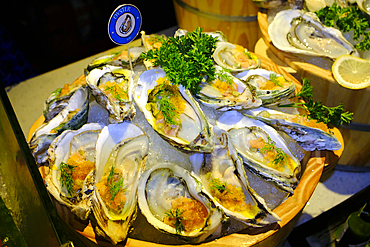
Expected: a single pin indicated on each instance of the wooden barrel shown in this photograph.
(237, 19)
(356, 135)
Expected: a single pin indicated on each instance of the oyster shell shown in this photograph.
(306, 133)
(60, 97)
(121, 151)
(168, 193)
(71, 175)
(117, 59)
(73, 116)
(151, 42)
(235, 57)
(263, 151)
(270, 87)
(364, 5)
(112, 88)
(223, 95)
(225, 181)
(302, 32)
(189, 129)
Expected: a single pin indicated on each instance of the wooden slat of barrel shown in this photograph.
(330, 93)
(237, 19)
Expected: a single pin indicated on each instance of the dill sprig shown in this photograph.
(225, 77)
(66, 177)
(217, 184)
(273, 77)
(177, 215)
(270, 146)
(114, 187)
(115, 93)
(168, 109)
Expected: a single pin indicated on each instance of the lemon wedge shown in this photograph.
(352, 72)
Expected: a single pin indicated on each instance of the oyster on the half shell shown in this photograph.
(121, 151)
(298, 31)
(173, 112)
(172, 200)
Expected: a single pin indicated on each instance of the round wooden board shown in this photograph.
(330, 93)
(268, 236)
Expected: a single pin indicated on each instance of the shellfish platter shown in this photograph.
(130, 157)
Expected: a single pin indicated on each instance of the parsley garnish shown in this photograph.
(270, 146)
(347, 19)
(114, 187)
(177, 215)
(334, 116)
(66, 177)
(186, 59)
(217, 184)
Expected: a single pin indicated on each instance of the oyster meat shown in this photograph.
(263, 151)
(269, 86)
(71, 176)
(172, 112)
(112, 88)
(309, 134)
(225, 181)
(73, 116)
(302, 32)
(227, 92)
(172, 201)
(234, 57)
(121, 151)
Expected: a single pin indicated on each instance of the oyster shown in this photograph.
(172, 201)
(225, 181)
(121, 151)
(263, 151)
(151, 42)
(112, 88)
(302, 32)
(364, 5)
(227, 92)
(270, 87)
(117, 59)
(73, 116)
(71, 175)
(60, 97)
(172, 112)
(309, 134)
(235, 57)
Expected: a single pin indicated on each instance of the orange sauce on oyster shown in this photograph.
(68, 87)
(114, 91)
(225, 88)
(82, 167)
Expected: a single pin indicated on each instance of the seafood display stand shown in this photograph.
(325, 89)
(271, 235)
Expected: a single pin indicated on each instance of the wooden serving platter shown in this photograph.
(267, 236)
(325, 89)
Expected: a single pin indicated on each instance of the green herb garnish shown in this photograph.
(186, 59)
(273, 77)
(270, 146)
(115, 93)
(347, 19)
(334, 116)
(177, 215)
(217, 184)
(225, 77)
(114, 187)
(66, 177)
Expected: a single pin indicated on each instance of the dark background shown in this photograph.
(39, 36)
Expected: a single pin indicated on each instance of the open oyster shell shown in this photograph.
(121, 151)
(298, 127)
(226, 182)
(235, 57)
(72, 158)
(60, 97)
(112, 88)
(168, 192)
(244, 131)
(270, 87)
(193, 133)
(298, 31)
(116, 59)
(151, 42)
(223, 96)
(73, 116)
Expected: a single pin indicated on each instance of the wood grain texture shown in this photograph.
(242, 33)
(330, 93)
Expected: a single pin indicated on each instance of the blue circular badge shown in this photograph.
(124, 24)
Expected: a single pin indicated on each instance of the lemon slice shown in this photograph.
(352, 72)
